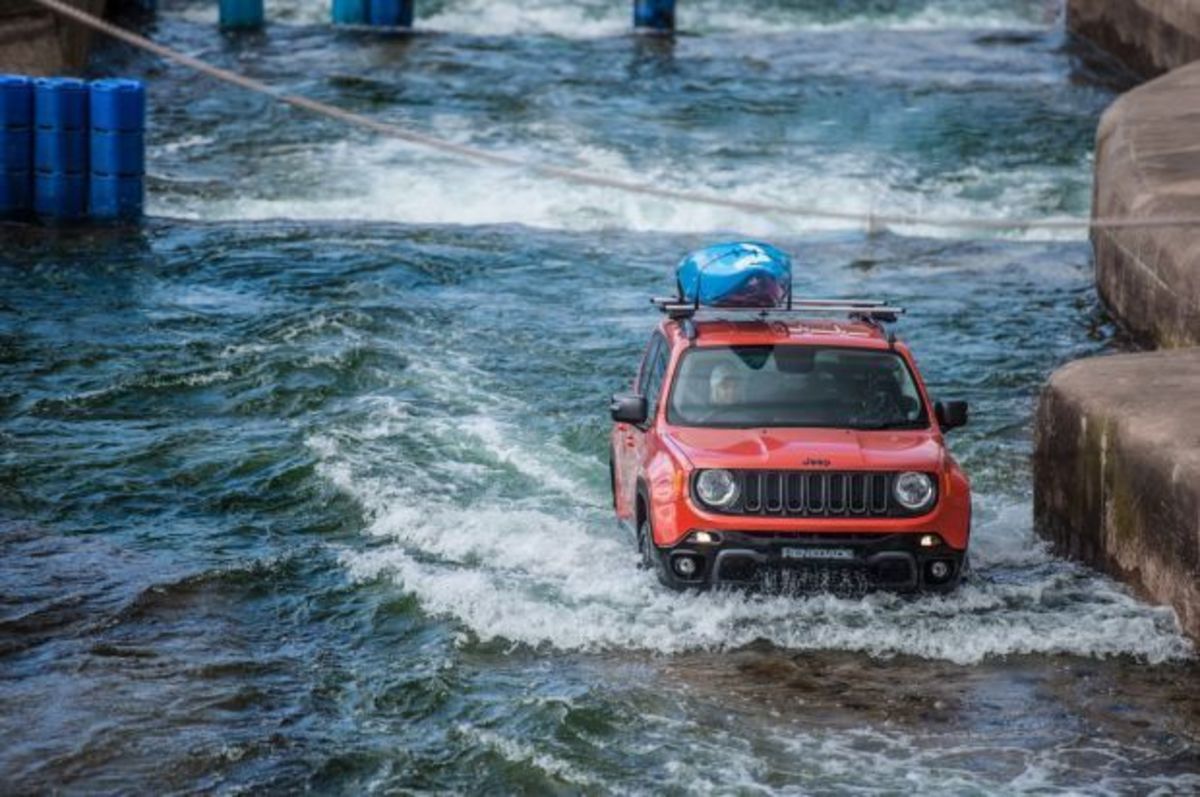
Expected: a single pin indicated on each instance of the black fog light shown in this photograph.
(939, 570)
(686, 566)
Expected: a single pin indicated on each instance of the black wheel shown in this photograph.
(612, 477)
(645, 542)
(650, 558)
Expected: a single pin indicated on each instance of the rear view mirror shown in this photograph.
(628, 408)
(951, 414)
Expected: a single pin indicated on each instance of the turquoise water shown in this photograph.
(305, 485)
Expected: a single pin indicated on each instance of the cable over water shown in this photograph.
(871, 221)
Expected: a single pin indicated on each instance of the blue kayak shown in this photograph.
(736, 274)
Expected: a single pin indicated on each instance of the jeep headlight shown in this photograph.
(914, 491)
(718, 488)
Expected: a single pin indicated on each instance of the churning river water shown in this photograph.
(305, 484)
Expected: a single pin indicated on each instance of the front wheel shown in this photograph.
(612, 477)
(651, 560)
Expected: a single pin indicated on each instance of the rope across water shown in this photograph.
(870, 221)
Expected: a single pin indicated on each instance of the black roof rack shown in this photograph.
(869, 310)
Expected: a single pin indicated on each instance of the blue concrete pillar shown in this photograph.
(390, 13)
(654, 15)
(350, 12)
(241, 14)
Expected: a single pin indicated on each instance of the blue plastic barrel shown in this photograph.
(60, 197)
(350, 12)
(121, 154)
(60, 103)
(16, 101)
(60, 151)
(657, 15)
(390, 13)
(118, 105)
(241, 14)
(116, 191)
(16, 149)
(16, 193)
(117, 198)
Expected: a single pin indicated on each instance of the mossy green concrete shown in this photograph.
(1117, 471)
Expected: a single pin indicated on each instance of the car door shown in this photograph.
(629, 439)
(651, 388)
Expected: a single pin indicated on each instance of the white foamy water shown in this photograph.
(548, 571)
(605, 18)
(390, 181)
(868, 760)
(386, 180)
(598, 18)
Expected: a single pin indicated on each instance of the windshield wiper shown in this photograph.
(878, 427)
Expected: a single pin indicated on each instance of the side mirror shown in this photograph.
(628, 408)
(951, 414)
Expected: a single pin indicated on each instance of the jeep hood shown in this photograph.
(805, 449)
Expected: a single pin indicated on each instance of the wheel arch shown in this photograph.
(641, 509)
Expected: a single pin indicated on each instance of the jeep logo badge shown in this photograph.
(819, 463)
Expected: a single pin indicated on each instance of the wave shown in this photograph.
(388, 181)
(599, 18)
(546, 571)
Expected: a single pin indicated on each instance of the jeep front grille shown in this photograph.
(815, 494)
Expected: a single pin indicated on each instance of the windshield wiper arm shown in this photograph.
(877, 427)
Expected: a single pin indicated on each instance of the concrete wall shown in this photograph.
(1148, 165)
(35, 42)
(1150, 36)
(1117, 460)
(1117, 439)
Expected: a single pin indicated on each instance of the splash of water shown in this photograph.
(544, 570)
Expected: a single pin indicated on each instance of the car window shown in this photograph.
(792, 385)
(655, 374)
(643, 380)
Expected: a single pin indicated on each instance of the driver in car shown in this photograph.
(724, 386)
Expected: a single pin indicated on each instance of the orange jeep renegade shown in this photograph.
(782, 446)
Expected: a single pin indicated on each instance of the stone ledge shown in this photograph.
(34, 42)
(1150, 36)
(1117, 471)
(1148, 164)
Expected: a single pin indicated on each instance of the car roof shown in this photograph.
(806, 331)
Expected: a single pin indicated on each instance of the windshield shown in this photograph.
(789, 385)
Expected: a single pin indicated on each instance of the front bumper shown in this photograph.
(847, 563)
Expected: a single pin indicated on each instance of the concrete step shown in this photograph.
(1117, 471)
